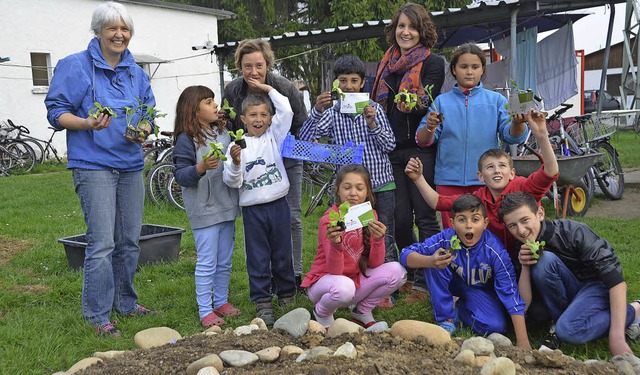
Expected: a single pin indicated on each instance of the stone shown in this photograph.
(208, 371)
(319, 351)
(295, 322)
(482, 360)
(411, 329)
(245, 330)
(499, 366)
(315, 327)
(238, 358)
(341, 325)
(346, 350)
(156, 336)
(466, 358)
(499, 340)
(552, 359)
(83, 364)
(270, 354)
(210, 360)
(478, 345)
(260, 323)
(378, 327)
(109, 354)
(213, 329)
(291, 350)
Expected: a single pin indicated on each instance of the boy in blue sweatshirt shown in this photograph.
(471, 263)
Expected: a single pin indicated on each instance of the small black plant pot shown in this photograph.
(132, 132)
(441, 117)
(341, 225)
(241, 142)
(225, 114)
(335, 95)
(403, 98)
(105, 112)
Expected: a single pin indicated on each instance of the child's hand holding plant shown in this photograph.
(236, 154)
(428, 90)
(336, 218)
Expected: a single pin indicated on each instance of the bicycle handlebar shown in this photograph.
(560, 111)
(20, 128)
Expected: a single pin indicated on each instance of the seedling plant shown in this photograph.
(454, 244)
(148, 114)
(229, 112)
(336, 218)
(428, 89)
(536, 247)
(409, 98)
(215, 151)
(238, 139)
(98, 109)
(336, 93)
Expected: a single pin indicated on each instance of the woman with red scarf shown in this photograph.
(409, 64)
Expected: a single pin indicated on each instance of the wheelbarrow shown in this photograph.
(575, 181)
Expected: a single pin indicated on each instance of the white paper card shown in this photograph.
(348, 103)
(353, 218)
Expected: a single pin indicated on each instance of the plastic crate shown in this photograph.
(157, 244)
(348, 153)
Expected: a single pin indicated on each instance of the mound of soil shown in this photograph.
(378, 353)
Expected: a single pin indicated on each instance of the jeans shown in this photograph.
(581, 310)
(294, 199)
(478, 308)
(267, 241)
(410, 206)
(385, 206)
(332, 292)
(214, 248)
(113, 206)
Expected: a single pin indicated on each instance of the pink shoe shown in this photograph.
(227, 310)
(211, 320)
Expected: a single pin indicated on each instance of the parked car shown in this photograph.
(591, 98)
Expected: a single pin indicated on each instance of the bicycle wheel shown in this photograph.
(38, 150)
(174, 193)
(22, 156)
(157, 182)
(609, 174)
(317, 199)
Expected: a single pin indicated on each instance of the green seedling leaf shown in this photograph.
(454, 243)
(228, 110)
(237, 135)
(336, 93)
(336, 218)
(98, 109)
(428, 89)
(215, 151)
(535, 247)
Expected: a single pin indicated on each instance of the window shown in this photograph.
(40, 68)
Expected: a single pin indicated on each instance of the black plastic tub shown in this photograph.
(158, 243)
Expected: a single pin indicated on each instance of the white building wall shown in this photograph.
(62, 27)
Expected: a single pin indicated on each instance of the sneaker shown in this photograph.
(140, 310)
(406, 288)
(108, 330)
(286, 301)
(365, 320)
(299, 289)
(416, 296)
(551, 340)
(264, 311)
(326, 321)
(633, 331)
(386, 303)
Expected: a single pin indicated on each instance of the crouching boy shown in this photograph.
(471, 263)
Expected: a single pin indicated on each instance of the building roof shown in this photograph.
(220, 13)
(477, 22)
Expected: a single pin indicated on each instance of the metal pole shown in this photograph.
(605, 61)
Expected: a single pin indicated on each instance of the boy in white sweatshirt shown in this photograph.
(258, 171)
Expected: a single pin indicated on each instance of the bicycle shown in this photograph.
(42, 153)
(162, 187)
(15, 156)
(158, 150)
(323, 175)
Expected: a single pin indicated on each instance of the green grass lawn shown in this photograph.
(41, 326)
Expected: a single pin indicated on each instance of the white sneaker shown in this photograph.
(633, 331)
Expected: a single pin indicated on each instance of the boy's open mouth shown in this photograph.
(468, 237)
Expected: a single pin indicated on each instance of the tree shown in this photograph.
(264, 18)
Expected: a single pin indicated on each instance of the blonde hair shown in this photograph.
(248, 46)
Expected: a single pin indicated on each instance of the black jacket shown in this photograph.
(588, 256)
(237, 90)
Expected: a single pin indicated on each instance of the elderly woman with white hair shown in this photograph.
(107, 164)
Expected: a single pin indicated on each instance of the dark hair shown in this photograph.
(468, 202)
(514, 201)
(466, 48)
(420, 20)
(186, 120)
(349, 64)
(248, 46)
(253, 100)
(494, 153)
(366, 239)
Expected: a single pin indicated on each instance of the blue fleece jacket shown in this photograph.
(473, 123)
(484, 265)
(83, 78)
